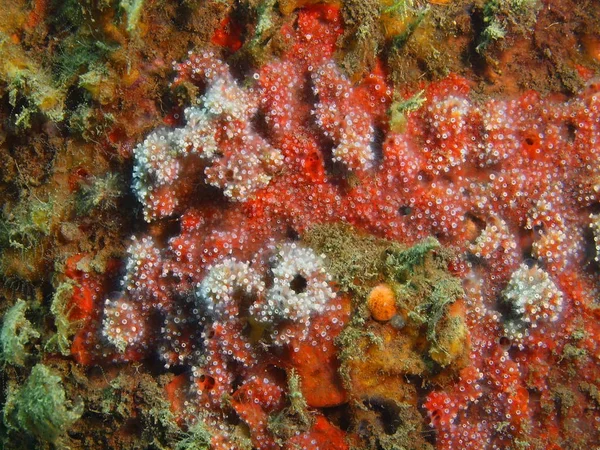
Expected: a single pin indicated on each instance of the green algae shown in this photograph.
(296, 417)
(348, 341)
(403, 438)
(415, 19)
(363, 37)
(197, 438)
(23, 227)
(425, 339)
(418, 274)
(264, 30)
(100, 192)
(572, 352)
(592, 392)
(40, 406)
(400, 109)
(298, 406)
(499, 15)
(30, 87)
(391, 425)
(65, 328)
(75, 56)
(355, 261)
(133, 9)
(401, 264)
(16, 334)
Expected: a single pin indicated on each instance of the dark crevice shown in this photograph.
(377, 145)
(299, 284)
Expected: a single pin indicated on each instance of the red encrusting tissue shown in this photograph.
(235, 295)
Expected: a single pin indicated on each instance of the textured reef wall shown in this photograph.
(300, 225)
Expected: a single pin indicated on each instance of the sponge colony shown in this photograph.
(382, 303)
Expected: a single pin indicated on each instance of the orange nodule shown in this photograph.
(382, 303)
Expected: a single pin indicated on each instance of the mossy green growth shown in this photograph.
(592, 391)
(401, 264)
(406, 434)
(16, 333)
(40, 407)
(65, 328)
(363, 36)
(400, 109)
(134, 9)
(499, 15)
(355, 261)
(264, 30)
(99, 193)
(27, 223)
(76, 55)
(294, 419)
(348, 340)
(571, 352)
(422, 283)
(30, 87)
(197, 438)
(298, 405)
(415, 19)
(418, 275)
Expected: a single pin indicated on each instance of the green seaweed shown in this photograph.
(348, 343)
(30, 87)
(298, 406)
(75, 54)
(401, 264)
(15, 335)
(40, 407)
(400, 109)
(355, 261)
(197, 438)
(65, 328)
(363, 37)
(100, 192)
(133, 8)
(418, 275)
(296, 417)
(417, 18)
(498, 15)
(22, 227)
(406, 434)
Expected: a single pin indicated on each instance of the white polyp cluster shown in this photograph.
(301, 286)
(198, 136)
(228, 109)
(341, 120)
(218, 130)
(123, 324)
(226, 282)
(143, 269)
(124, 321)
(156, 165)
(494, 236)
(448, 119)
(240, 174)
(225, 98)
(533, 299)
(499, 131)
(595, 225)
(283, 81)
(557, 240)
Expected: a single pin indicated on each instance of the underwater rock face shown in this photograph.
(324, 259)
(258, 163)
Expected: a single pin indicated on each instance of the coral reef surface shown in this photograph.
(300, 225)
